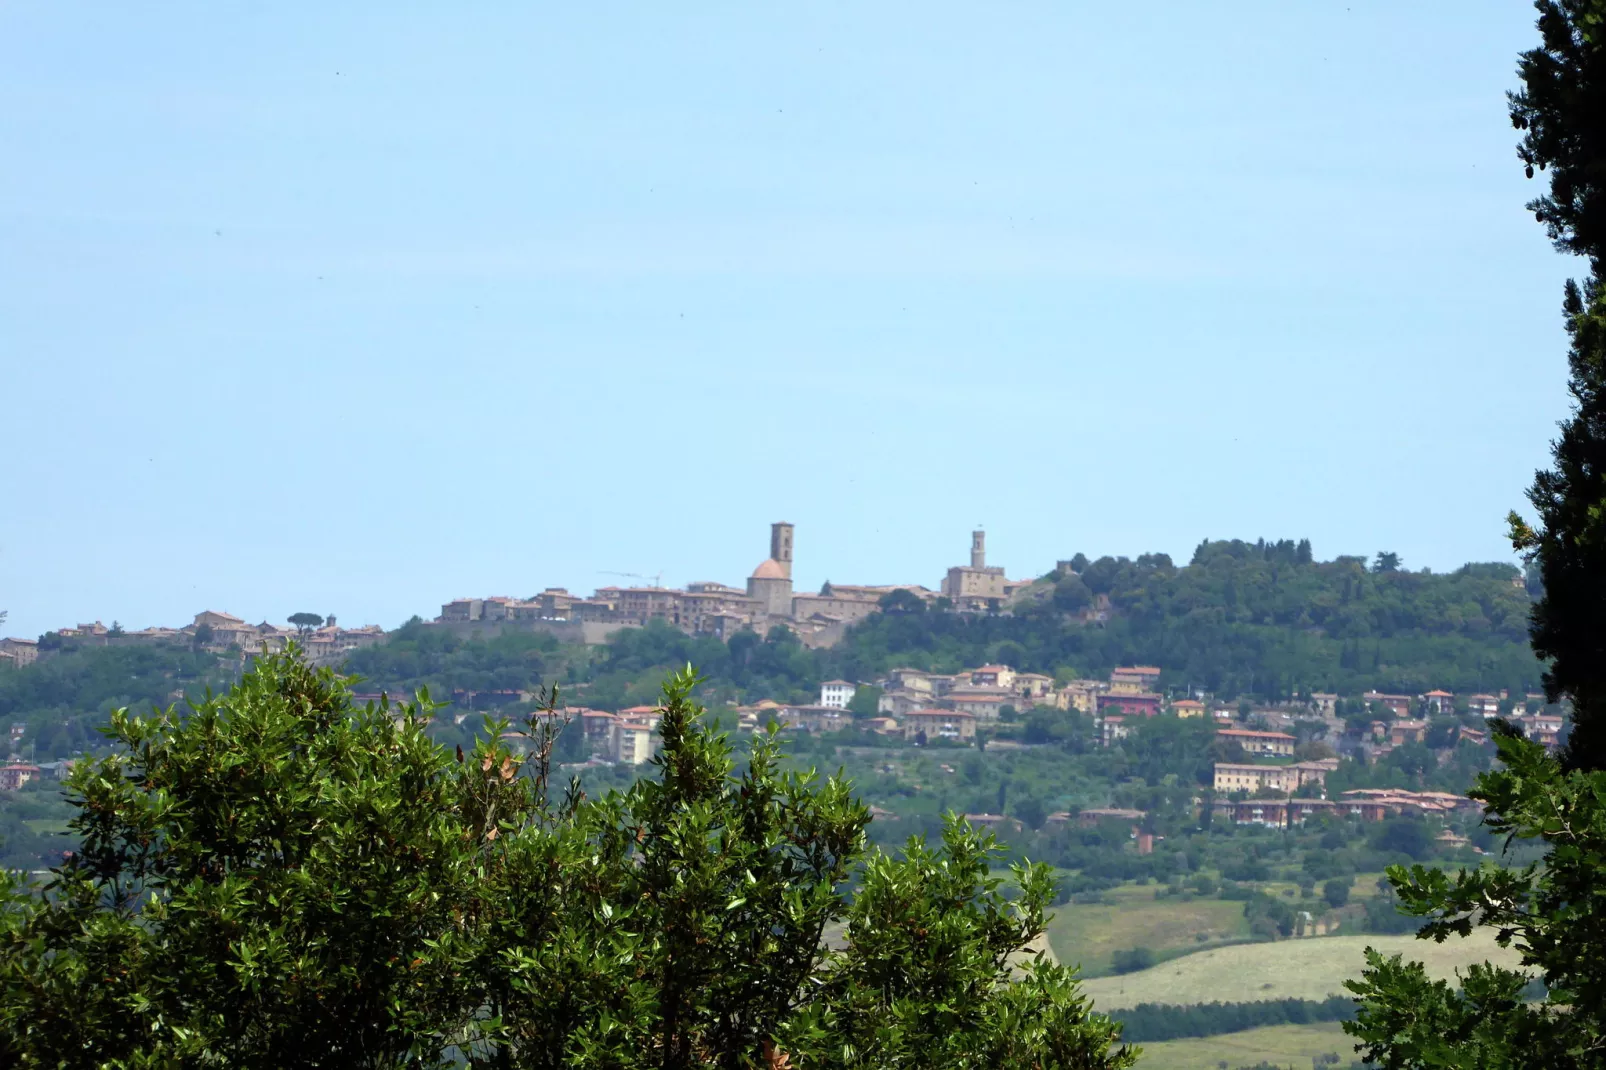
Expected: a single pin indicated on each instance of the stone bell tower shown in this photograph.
(781, 546)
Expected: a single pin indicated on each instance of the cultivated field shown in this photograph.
(1313, 968)
(1089, 934)
(1280, 1045)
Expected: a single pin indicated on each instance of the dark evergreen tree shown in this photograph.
(1548, 910)
(1561, 109)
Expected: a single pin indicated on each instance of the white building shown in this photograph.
(837, 693)
(633, 742)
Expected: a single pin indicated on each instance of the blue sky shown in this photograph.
(358, 310)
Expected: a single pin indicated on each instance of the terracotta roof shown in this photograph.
(769, 569)
(1251, 732)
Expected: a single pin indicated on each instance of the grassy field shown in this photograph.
(46, 825)
(1090, 933)
(1280, 1045)
(1313, 968)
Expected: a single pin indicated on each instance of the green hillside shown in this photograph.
(1240, 618)
(1313, 968)
(1089, 935)
(1276, 1045)
(61, 700)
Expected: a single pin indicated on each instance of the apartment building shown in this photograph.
(1274, 744)
(837, 693)
(956, 725)
(1233, 777)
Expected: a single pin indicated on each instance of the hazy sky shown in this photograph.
(356, 311)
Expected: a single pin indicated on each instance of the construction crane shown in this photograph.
(657, 581)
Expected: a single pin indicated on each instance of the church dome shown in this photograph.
(769, 569)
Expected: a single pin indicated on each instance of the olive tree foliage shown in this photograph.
(1550, 912)
(278, 879)
(281, 878)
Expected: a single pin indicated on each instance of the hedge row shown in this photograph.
(1149, 1022)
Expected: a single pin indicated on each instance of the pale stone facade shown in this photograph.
(1231, 777)
(978, 585)
(837, 693)
(953, 725)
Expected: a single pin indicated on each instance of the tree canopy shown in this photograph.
(1549, 910)
(305, 622)
(285, 879)
(1561, 109)
(1241, 617)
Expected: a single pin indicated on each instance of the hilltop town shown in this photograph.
(1276, 744)
(705, 608)
(720, 610)
(210, 631)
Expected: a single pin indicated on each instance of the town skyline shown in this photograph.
(18, 626)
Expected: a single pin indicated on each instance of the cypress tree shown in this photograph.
(1561, 110)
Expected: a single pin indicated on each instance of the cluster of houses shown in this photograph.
(1411, 716)
(212, 631)
(1261, 789)
(921, 707)
(16, 773)
(1368, 804)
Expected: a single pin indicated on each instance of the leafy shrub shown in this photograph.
(1150, 1022)
(282, 879)
(1132, 959)
(1250, 869)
